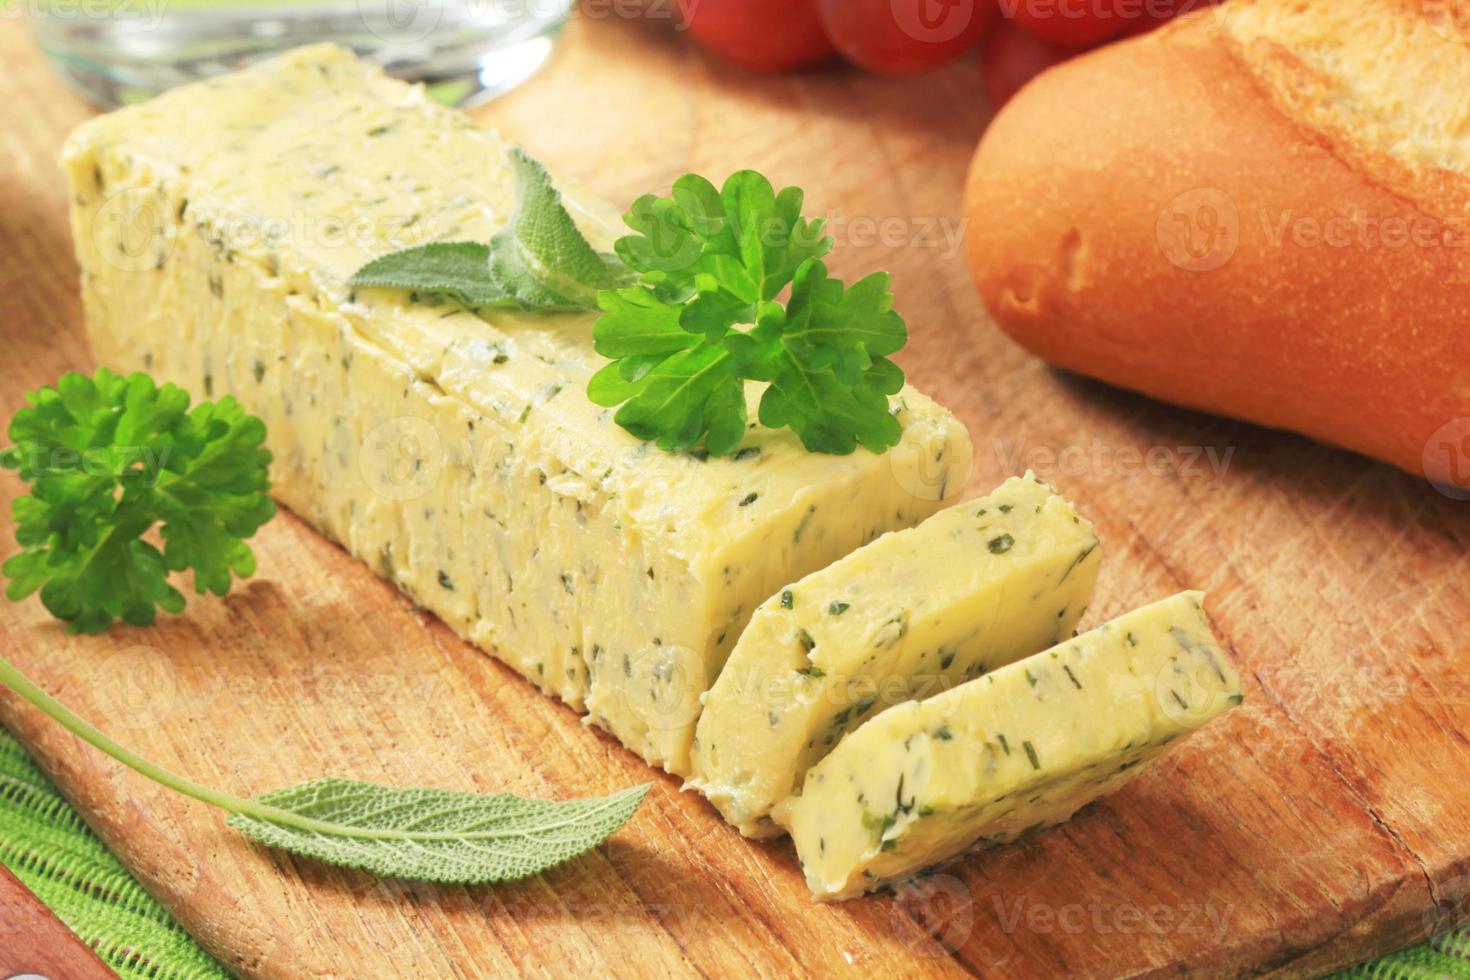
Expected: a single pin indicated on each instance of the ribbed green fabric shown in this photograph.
(1448, 957)
(58, 858)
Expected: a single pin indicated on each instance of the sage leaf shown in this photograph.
(421, 834)
(435, 834)
(540, 262)
(541, 259)
(457, 269)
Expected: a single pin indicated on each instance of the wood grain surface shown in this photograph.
(34, 942)
(1327, 819)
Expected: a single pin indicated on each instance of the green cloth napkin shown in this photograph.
(56, 856)
(50, 849)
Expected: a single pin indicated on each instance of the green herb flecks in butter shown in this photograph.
(1084, 721)
(910, 615)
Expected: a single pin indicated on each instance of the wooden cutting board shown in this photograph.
(1320, 823)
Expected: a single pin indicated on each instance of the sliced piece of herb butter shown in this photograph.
(1020, 748)
(973, 588)
(454, 450)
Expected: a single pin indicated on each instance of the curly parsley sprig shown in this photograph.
(110, 457)
(692, 310)
(705, 318)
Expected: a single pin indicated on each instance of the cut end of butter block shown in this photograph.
(1019, 749)
(972, 588)
(455, 451)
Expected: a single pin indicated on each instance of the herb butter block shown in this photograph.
(1021, 748)
(455, 453)
(971, 589)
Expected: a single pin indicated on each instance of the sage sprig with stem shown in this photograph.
(422, 834)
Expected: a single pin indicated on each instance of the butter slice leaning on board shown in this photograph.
(1020, 748)
(454, 452)
(973, 588)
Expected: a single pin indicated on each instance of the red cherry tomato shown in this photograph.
(1010, 58)
(1073, 23)
(903, 37)
(759, 35)
(1156, 13)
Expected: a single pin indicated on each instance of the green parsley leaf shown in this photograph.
(109, 458)
(691, 310)
(540, 261)
(710, 262)
(829, 380)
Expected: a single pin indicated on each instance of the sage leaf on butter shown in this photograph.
(541, 259)
(458, 269)
(435, 834)
(421, 834)
(539, 262)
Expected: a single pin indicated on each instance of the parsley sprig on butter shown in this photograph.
(716, 287)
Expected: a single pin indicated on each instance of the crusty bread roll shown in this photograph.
(1260, 210)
